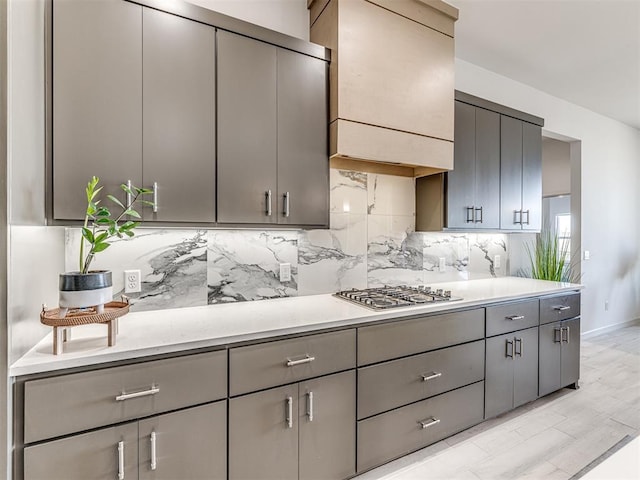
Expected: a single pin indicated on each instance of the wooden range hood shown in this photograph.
(391, 83)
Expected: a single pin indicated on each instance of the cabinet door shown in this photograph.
(460, 180)
(188, 444)
(97, 100)
(549, 377)
(327, 419)
(100, 455)
(303, 159)
(525, 374)
(487, 169)
(179, 117)
(570, 354)
(531, 176)
(499, 375)
(510, 173)
(263, 434)
(247, 130)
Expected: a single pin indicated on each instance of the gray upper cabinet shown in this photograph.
(97, 100)
(303, 161)
(247, 130)
(178, 104)
(473, 198)
(520, 175)
(273, 164)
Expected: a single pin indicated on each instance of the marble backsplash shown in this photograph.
(371, 242)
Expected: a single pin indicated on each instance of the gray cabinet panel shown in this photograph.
(261, 443)
(399, 382)
(510, 317)
(549, 375)
(97, 100)
(532, 176)
(303, 159)
(89, 456)
(525, 373)
(510, 173)
(487, 169)
(499, 375)
(327, 437)
(180, 381)
(179, 117)
(559, 307)
(391, 340)
(570, 354)
(460, 180)
(266, 365)
(247, 130)
(189, 444)
(396, 433)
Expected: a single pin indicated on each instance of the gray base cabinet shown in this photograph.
(305, 430)
(559, 355)
(512, 371)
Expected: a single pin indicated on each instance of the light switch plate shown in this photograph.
(587, 254)
(442, 264)
(132, 283)
(496, 261)
(285, 272)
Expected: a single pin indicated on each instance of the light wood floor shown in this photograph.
(552, 438)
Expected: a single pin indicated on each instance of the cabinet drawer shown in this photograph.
(511, 317)
(285, 361)
(80, 401)
(396, 433)
(392, 340)
(559, 307)
(399, 382)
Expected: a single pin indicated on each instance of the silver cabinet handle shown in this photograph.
(155, 197)
(515, 216)
(562, 308)
(154, 463)
(515, 317)
(307, 359)
(521, 342)
(472, 219)
(121, 460)
(289, 418)
(507, 354)
(567, 340)
(527, 222)
(268, 200)
(426, 378)
(286, 204)
(144, 393)
(474, 215)
(555, 335)
(429, 422)
(310, 406)
(128, 194)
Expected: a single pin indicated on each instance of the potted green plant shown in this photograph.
(86, 288)
(548, 258)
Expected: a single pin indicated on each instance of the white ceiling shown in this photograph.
(584, 51)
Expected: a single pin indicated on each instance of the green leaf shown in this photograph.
(86, 233)
(145, 191)
(129, 225)
(127, 189)
(132, 213)
(116, 201)
(100, 238)
(103, 221)
(103, 212)
(113, 229)
(99, 247)
(129, 233)
(147, 202)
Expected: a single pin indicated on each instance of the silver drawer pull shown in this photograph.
(515, 317)
(289, 418)
(429, 422)
(506, 353)
(310, 406)
(144, 393)
(307, 359)
(120, 460)
(555, 335)
(433, 375)
(154, 463)
(562, 308)
(521, 342)
(268, 201)
(155, 197)
(287, 202)
(567, 340)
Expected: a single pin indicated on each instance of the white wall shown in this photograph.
(610, 166)
(556, 167)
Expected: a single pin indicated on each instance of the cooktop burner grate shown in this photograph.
(392, 297)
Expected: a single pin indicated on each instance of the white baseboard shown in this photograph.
(609, 328)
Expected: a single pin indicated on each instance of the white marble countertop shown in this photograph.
(156, 332)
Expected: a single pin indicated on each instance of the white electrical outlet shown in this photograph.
(132, 283)
(496, 261)
(587, 254)
(606, 305)
(285, 272)
(442, 264)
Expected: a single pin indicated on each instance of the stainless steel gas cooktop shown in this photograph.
(393, 297)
